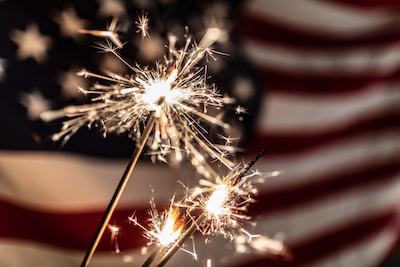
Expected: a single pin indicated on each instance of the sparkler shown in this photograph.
(175, 90)
(165, 228)
(221, 208)
(167, 99)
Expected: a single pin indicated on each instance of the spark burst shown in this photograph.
(223, 204)
(175, 91)
(225, 201)
(165, 227)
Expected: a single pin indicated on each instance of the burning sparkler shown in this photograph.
(223, 204)
(175, 91)
(165, 228)
(167, 99)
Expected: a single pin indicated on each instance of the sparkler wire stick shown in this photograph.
(153, 256)
(189, 232)
(120, 188)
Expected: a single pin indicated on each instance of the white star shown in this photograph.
(70, 83)
(31, 43)
(3, 64)
(69, 22)
(35, 103)
(110, 8)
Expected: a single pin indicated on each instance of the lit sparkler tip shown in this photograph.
(217, 199)
(171, 230)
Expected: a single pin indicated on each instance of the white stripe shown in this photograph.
(15, 253)
(62, 182)
(338, 158)
(324, 17)
(331, 213)
(297, 114)
(370, 253)
(360, 60)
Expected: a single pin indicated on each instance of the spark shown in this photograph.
(142, 24)
(226, 205)
(264, 245)
(225, 201)
(114, 237)
(223, 204)
(175, 89)
(109, 33)
(164, 227)
(216, 200)
(239, 110)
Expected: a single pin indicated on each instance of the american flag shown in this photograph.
(318, 80)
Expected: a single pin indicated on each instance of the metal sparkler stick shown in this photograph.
(120, 188)
(153, 256)
(194, 226)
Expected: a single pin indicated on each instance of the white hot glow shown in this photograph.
(170, 232)
(217, 199)
(160, 89)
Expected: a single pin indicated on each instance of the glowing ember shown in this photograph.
(217, 199)
(164, 227)
(170, 232)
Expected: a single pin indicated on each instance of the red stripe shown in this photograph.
(289, 144)
(252, 26)
(328, 245)
(313, 83)
(369, 4)
(71, 231)
(323, 188)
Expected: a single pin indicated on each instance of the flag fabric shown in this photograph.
(318, 81)
(329, 119)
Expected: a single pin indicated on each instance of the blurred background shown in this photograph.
(315, 83)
